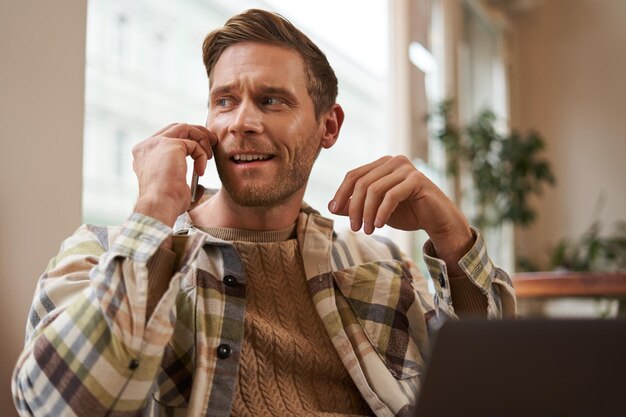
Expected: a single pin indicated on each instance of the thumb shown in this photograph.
(334, 208)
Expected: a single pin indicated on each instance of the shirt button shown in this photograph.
(442, 281)
(223, 351)
(230, 280)
(133, 364)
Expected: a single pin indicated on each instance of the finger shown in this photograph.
(209, 142)
(360, 191)
(392, 199)
(376, 193)
(160, 131)
(209, 135)
(340, 202)
(197, 133)
(208, 139)
(187, 131)
(341, 211)
(197, 153)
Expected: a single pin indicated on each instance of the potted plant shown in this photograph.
(505, 168)
(592, 251)
(592, 267)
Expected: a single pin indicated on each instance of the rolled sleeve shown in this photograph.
(481, 272)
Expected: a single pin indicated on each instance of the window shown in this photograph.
(121, 158)
(121, 41)
(467, 42)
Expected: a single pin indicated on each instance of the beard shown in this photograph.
(291, 178)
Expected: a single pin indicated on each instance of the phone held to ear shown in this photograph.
(194, 187)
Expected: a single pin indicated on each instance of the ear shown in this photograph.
(332, 121)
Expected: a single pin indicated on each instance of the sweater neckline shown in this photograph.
(253, 236)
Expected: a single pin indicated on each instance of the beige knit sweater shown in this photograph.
(288, 364)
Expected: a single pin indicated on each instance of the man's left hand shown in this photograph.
(392, 191)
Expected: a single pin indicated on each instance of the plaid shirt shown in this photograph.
(90, 351)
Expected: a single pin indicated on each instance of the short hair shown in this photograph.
(256, 25)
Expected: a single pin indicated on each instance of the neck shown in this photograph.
(221, 211)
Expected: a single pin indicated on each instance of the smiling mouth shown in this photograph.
(247, 158)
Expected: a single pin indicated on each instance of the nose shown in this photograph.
(247, 119)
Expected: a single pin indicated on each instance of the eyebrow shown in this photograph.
(279, 91)
(217, 91)
(225, 89)
(220, 90)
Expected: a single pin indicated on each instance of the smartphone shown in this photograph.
(194, 186)
(195, 177)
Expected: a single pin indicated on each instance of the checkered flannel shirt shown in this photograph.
(90, 351)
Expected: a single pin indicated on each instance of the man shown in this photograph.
(252, 304)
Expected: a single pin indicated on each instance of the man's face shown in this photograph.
(264, 118)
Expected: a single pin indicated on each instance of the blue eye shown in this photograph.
(269, 101)
(224, 102)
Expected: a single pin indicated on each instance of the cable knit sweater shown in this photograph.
(289, 365)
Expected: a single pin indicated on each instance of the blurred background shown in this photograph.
(523, 95)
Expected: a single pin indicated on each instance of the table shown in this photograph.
(539, 287)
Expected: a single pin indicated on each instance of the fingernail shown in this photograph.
(355, 225)
(332, 206)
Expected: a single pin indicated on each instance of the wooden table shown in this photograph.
(536, 286)
(569, 284)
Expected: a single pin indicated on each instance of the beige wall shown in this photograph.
(570, 84)
(42, 55)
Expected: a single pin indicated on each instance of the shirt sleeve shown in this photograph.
(492, 281)
(89, 349)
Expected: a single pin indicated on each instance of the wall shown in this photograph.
(569, 80)
(42, 48)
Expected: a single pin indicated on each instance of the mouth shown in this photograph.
(250, 158)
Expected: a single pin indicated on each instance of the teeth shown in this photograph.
(247, 157)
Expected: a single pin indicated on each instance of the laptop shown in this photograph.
(526, 368)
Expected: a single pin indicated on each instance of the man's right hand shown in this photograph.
(161, 168)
